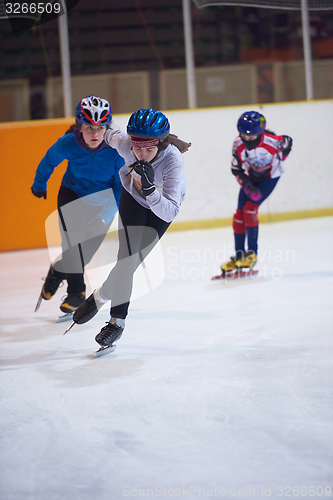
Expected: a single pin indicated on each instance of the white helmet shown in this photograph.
(93, 110)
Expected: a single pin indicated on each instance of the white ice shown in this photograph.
(215, 389)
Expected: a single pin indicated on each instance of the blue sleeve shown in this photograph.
(54, 156)
(111, 208)
(117, 182)
(109, 211)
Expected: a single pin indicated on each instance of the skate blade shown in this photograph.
(39, 301)
(71, 326)
(104, 350)
(64, 317)
(235, 275)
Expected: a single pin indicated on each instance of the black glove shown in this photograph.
(286, 145)
(38, 194)
(146, 172)
(97, 226)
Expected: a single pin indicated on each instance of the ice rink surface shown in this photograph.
(216, 389)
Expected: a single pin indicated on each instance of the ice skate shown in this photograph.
(229, 266)
(52, 282)
(64, 317)
(247, 261)
(104, 350)
(72, 302)
(111, 332)
(88, 309)
(108, 335)
(238, 268)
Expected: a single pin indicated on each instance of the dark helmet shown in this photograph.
(93, 110)
(251, 123)
(148, 123)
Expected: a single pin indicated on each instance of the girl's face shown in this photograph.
(93, 135)
(248, 137)
(147, 154)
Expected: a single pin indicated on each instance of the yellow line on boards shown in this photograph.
(263, 218)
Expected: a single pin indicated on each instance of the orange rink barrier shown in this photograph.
(22, 146)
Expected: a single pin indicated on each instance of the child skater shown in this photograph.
(154, 187)
(257, 164)
(88, 197)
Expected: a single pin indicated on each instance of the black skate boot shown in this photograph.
(111, 332)
(72, 302)
(52, 282)
(89, 308)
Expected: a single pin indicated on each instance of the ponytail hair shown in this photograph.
(71, 128)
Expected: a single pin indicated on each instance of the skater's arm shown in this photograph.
(238, 171)
(53, 158)
(120, 141)
(165, 201)
(251, 191)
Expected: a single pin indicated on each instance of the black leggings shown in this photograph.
(79, 244)
(139, 231)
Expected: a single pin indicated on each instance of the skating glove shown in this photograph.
(252, 192)
(146, 172)
(97, 226)
(39, 194)
(286, 146)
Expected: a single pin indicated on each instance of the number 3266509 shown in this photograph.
(303, 491)
(24, 8)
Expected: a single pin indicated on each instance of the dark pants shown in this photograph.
(266, 187)
(79, 243)
(252, 233)
(139, 231)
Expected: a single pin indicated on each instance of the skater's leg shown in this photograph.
(139, 231)
(266, 187)
(74, 215)
(58, 269)
(52, 282)
(142, 243)
(72, 221)
(80, 237)
(135, 242)
(94, 237)
(130, 213)
(252, 226)
(239, 227)
(251, 214)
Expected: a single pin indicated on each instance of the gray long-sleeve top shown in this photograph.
(169, 178)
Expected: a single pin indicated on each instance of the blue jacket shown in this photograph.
(88, 172)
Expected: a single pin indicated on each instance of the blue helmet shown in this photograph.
(251, 123)
(148, 123)
(93, 110)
